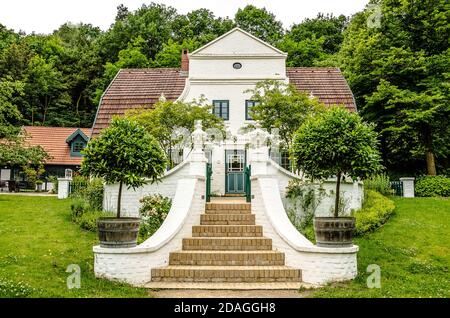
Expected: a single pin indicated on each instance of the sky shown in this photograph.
(44, 16)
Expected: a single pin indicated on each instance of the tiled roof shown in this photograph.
(326, 83)
(134, 88)
(53, 140)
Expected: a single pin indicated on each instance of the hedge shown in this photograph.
(433, 186)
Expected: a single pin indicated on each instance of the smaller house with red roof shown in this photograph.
(63, 144)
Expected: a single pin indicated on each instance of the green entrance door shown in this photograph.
(234, 171)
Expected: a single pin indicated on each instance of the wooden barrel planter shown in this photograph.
(118, 232)
(334, 232)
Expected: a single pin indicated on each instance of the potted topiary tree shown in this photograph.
(336, 142)
(124, 153)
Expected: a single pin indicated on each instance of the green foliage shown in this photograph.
(10, 289)
(432, 186)
(88, 220)
(399, 74)
(305, 197)
(37, 269)
(377, 209)
(260, 23)
(336, 142)
(124, 153)
(379, 183)
(282, 107)
(167, 116)
(54, 181)
(325, 26)
(153, 212)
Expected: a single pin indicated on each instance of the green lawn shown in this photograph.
(38, 242)
(412, 250)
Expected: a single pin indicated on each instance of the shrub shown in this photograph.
(305, 197)
(88, 220)
(78, 186)
(379, 183)
(94, 193)
(54, 180)
(433, 186)
(78, 207)
(153, 212)
(375, 212)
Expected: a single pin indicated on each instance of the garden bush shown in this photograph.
(153, 212)
(88, 220)
(379, 183)
(375, 212)
(78, 207)
(432, 186)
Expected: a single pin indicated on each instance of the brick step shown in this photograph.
(226, 230)
(228, 206)
(227, 219)
(227, 243)
(227, 258)
(219, 211)
(229, 286)
(231, 274)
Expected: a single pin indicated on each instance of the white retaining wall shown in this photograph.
(351, 192)
(134, 265)
(319, 265)
(130, 198)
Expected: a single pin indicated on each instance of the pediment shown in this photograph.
(237, 42)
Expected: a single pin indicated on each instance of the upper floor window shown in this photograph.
(248, 105)
(221, 108)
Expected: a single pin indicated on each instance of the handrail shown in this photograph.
(208, 181)
(248, 183)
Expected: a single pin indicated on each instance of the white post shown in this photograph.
(63, 188)
(408, 187)
(197, 160)
(259, 152)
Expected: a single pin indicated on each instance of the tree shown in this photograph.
(260, 23)
(168, 117)
(336, 142)
(283, 107)
(399, 72)
(124, 153)
(325, 26)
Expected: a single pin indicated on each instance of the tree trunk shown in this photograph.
(431, 165)
(119, 199)
(338, 190)
(429, 152)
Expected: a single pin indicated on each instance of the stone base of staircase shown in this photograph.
(229, 286)
(226, 251)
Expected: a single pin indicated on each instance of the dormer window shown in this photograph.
(78, 146)
(77, 142)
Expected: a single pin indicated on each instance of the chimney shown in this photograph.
(185, 60)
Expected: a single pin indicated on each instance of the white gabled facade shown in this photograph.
(213, 76)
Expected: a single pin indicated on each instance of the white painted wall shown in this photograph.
(130, 198)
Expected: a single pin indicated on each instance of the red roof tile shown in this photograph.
(134, 88)
(326, 83)
(53, 140)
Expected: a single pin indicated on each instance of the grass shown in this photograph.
(412, 250)
(37, 243)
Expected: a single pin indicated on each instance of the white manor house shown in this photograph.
(228, 240)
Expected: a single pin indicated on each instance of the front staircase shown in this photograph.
(226, 251)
